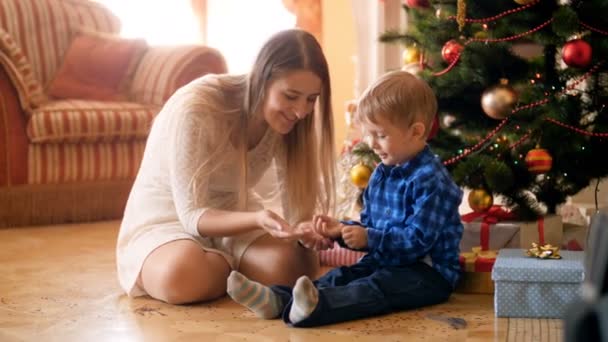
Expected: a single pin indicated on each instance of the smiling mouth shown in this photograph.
(288, 119)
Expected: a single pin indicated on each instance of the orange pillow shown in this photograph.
(97, 67)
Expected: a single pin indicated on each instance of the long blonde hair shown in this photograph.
(309, 147)
(307, 150)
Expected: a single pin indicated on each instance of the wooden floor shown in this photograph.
(59, 284)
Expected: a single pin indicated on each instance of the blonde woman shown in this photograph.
(192, 215)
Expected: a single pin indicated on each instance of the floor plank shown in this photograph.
(59, 283)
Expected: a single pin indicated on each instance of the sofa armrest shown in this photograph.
(19, 70)
(13, 139)
(164, 69)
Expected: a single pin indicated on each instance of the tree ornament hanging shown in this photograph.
(498, 101)
(360, 174)
(410, 54)
(538, 160)
(417, 3)
(480, 200)
(461, 14)
(451, 50)
(524, 2)
(577, 53)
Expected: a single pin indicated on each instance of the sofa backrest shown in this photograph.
(43, 29)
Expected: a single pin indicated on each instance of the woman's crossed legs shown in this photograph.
(181, 272)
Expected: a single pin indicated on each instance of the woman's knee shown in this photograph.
(185, 274)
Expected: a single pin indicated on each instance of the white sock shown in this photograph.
(256, 297)
(305, 299)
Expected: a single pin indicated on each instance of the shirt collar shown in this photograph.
(423, 157)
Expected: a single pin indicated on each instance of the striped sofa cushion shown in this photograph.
(90, 121)
(164, 69)
(339, 256)
(43, 29)
(66, 163)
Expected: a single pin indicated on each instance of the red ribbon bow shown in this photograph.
(495, 214)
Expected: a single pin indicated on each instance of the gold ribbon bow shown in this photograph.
(544, 252)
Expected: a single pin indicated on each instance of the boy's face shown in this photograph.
(394, 144)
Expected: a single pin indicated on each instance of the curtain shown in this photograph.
(199, 7)
(308, 15)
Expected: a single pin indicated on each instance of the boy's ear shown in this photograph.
(418, 130)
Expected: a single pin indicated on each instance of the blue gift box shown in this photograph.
(532, 287)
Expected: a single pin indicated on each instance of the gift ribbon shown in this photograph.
(495, 214)
(477, 261)
(541, 231)
(543, 251)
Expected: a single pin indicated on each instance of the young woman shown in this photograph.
(192, 215)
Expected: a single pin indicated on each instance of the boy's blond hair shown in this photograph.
(399, 97)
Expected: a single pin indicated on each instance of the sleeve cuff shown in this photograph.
(374, 236)
(351, 223)
(191, 226)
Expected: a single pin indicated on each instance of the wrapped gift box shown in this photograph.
(339, 256)
(579, 213)
(476, 271)
(546, 230)
(575, 237)
(497, 229)
(531, 287)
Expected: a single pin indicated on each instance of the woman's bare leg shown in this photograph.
(181, 272)
(271, 261)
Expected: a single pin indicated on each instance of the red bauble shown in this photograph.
(417, 3)
(450, 50)
(577, 53)
(539, 160)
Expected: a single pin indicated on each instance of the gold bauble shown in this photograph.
(498, 101)
(480, 200)
(360, 174)
(481, 35)
(410, 54)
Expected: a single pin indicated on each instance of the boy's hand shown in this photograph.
(355, 237)
(311, 239)
(327, 226)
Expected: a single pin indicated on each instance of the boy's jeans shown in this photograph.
(367, 289)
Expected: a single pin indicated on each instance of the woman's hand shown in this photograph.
(311, 239)
(327, 226)
(276, 226)
(355, 237)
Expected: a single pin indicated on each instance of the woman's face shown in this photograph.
(290, 98)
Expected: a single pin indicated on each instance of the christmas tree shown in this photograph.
(522, 89)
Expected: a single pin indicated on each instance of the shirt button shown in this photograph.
(388, 211)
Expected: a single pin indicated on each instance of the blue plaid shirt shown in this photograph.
(411, 213)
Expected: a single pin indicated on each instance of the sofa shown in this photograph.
(73, 157)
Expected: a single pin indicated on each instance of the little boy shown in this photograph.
(409, 226)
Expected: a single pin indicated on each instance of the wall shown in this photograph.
(356, 58)
(339, 46)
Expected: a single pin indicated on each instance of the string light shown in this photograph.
(498, 16)
(531, 105)
(491, 40)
